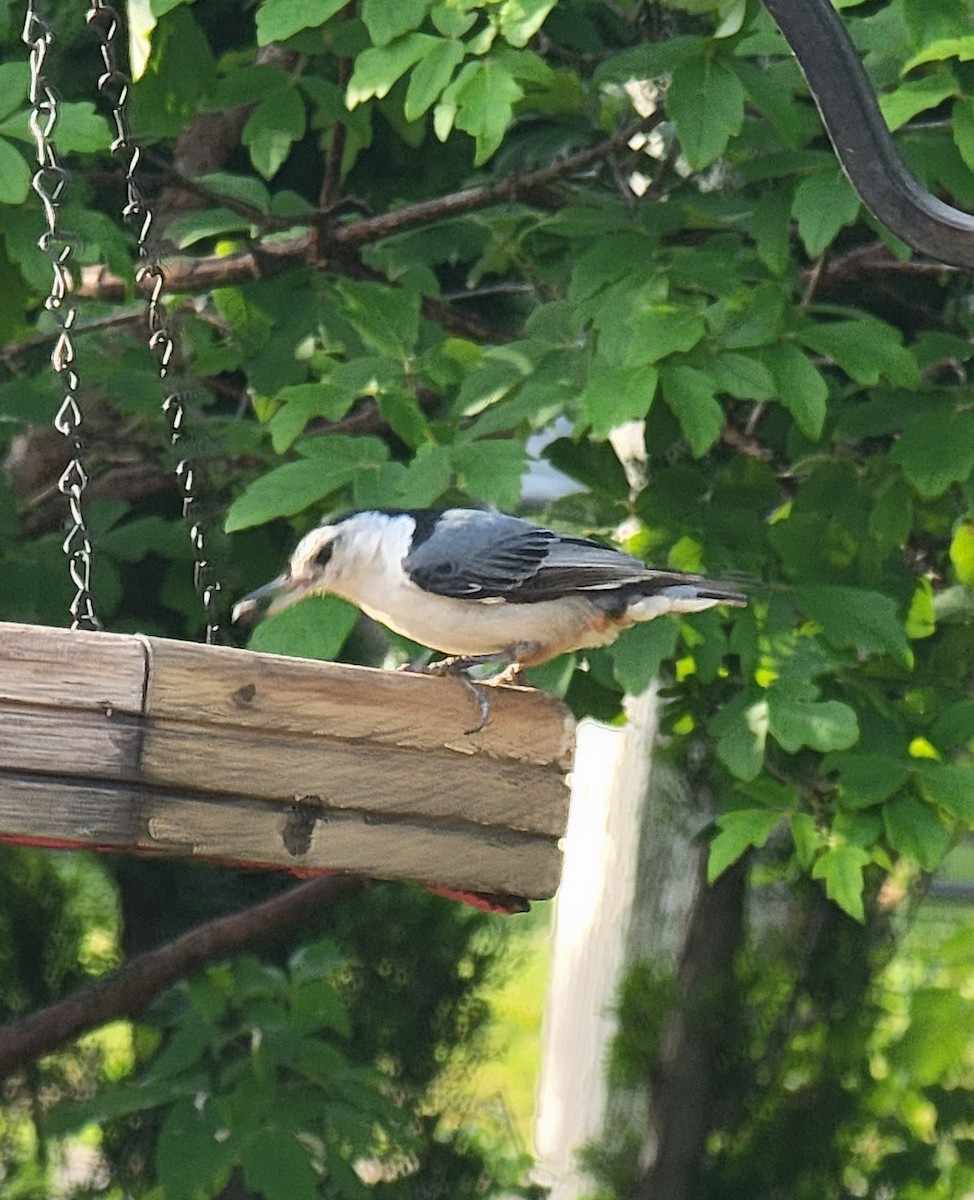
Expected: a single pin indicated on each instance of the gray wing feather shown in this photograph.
(482, 556)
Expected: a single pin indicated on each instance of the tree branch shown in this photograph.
(684, 1073)
(327, 247)
(131, 989)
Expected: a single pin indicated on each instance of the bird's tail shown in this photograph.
(684, 597)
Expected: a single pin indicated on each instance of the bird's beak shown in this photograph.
(281, 592)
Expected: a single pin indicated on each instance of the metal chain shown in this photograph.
(150, 278)
(49, 182)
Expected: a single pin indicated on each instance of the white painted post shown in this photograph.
(628, 884)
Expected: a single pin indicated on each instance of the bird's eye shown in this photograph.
(323, 557)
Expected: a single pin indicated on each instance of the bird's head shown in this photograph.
(313, 569)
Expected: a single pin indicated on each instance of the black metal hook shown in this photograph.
(862, 142)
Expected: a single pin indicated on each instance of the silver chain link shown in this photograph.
(150, 278)
(50, 182)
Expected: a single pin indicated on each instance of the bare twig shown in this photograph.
(331, 184)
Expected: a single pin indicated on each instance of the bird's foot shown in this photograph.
(483, 704)
(510, 674)
(458, 665)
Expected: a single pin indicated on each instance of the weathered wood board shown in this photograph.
(145, 745)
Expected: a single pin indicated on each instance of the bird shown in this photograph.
(481, 586)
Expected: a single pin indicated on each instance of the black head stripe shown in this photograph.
(323, 557)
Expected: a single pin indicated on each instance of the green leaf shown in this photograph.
(386, 317)
(864, 349)
(963, 127)
(824, 203)
(962, 552)
(316, 960)
(194, 226)
(291, 488)
(951, 785)
(14, 175)
(914, 829)
(193, 1155)
(807, 838)
(159, 8)
(277, 20)
(386, 21)
(402, 414)
(921, 620)
(14, 81)
(891, 518)
(316, 627)
(485, 106)
(744, 377)
(244, 188)
(617, 396)
(430, 77)
(855, 617)
(916, 96)
(751, 316)
(282, 492)
(593, 463)
(739, 831)
(122, 1099)
(935, 1041)
(640, 652)
(841, 867)
(954, 726)
(866, 779)
(301, 403)
(521, 19)
(277, 1166)
(492, 470)
(706, 103)
(662, 329)
(179, 74)
(928, 23)
(819, 724)
(961, 48)
(936, 452)
(378, 68)
(451, 20)
(741, 729)
(276, 123)
(801, 388)
(771, 229)
(689, 394)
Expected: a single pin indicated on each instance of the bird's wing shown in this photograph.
(483, 556)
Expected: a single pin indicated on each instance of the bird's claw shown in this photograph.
(483, 704)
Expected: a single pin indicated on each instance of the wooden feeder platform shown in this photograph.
(150, 746)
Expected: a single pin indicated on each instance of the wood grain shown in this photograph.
(153, 746)
(70, 741)
(72, 668)
(294, 695)
(247, 832)
(369, 776)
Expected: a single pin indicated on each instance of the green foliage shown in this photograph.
(807, 427)
(252, 1075)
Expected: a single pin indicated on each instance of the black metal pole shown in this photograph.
(862, 142)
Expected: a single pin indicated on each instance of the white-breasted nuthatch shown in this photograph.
(482, 586)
